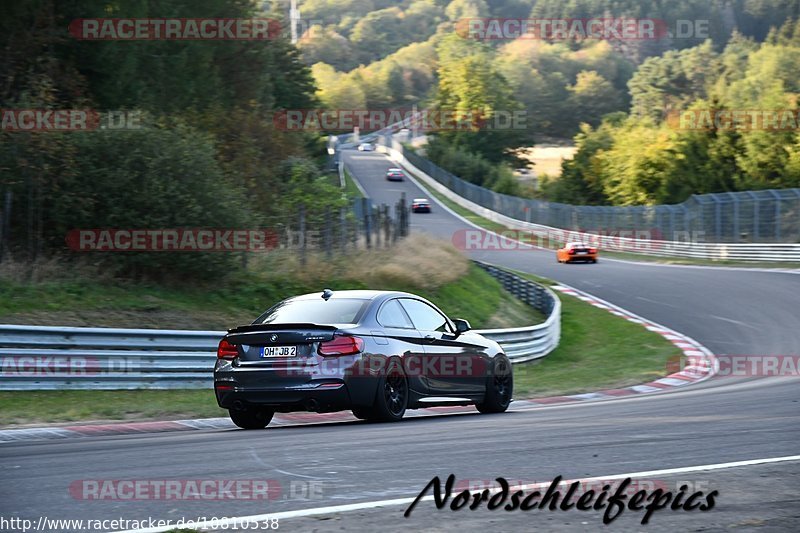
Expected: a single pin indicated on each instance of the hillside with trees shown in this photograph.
(646, 158)
(612, 96)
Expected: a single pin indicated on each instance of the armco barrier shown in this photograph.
(533, 342)
(769, 252)
(57, 358)
(51, 358)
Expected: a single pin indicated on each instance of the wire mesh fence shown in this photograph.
(300, 229)
(766, 216)
(361, 225)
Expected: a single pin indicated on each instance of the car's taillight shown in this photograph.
(592, 250)
(572, 252)
(344, 345)
(226, 350)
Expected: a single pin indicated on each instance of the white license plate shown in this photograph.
(279, 351)
(583, 253)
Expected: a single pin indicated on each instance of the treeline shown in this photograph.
(615, 96)
(371, 54)
(203, 152)
(349, 33)
(652, 156)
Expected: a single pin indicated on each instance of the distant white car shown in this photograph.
(366, 147)
(395, 174)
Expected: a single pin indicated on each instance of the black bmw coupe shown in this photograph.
(376, 353)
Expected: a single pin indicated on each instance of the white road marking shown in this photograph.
(655, 302)
(732, 321)
(300, 513)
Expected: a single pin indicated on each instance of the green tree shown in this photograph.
(670, 82)
(463, 9)
(469, 86)
(582, 179)
(593, 96)
(325, 45)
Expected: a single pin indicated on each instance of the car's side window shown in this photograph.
(391, 315)
(425, 317)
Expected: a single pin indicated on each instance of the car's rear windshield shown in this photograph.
(337, 311)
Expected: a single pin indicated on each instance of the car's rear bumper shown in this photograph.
(303, 388)
(333, 397)
(578, 258)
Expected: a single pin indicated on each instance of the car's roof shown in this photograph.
(575, 244)
(421, 200)
(354, 295)
(395, 170)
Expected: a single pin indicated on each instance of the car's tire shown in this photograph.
(594, 261)
(363, 413)
(391, 398)
(251, 418)
(499, 387)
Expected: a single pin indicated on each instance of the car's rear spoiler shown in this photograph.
(262, 334)
(247, 328)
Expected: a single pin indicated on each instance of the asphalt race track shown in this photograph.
(721, 421)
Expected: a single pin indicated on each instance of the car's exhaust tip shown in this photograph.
(312, 405)
(238, 405)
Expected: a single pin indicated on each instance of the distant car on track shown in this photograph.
(395, 174)
(376, 353)
(421, 205)
(577, 251)
(366, 147)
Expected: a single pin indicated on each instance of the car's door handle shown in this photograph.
(430, 338)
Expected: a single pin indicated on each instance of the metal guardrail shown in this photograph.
(53, 358)
(765, 216)
(533, 342)
(58, 358)
(757, 252)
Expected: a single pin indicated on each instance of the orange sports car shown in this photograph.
(576, 251)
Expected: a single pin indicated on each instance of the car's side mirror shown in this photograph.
(462, 326)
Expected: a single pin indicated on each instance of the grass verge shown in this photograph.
(597, 351)
(350, 187)
(419, 264)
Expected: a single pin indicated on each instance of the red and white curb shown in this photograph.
(700, 364)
